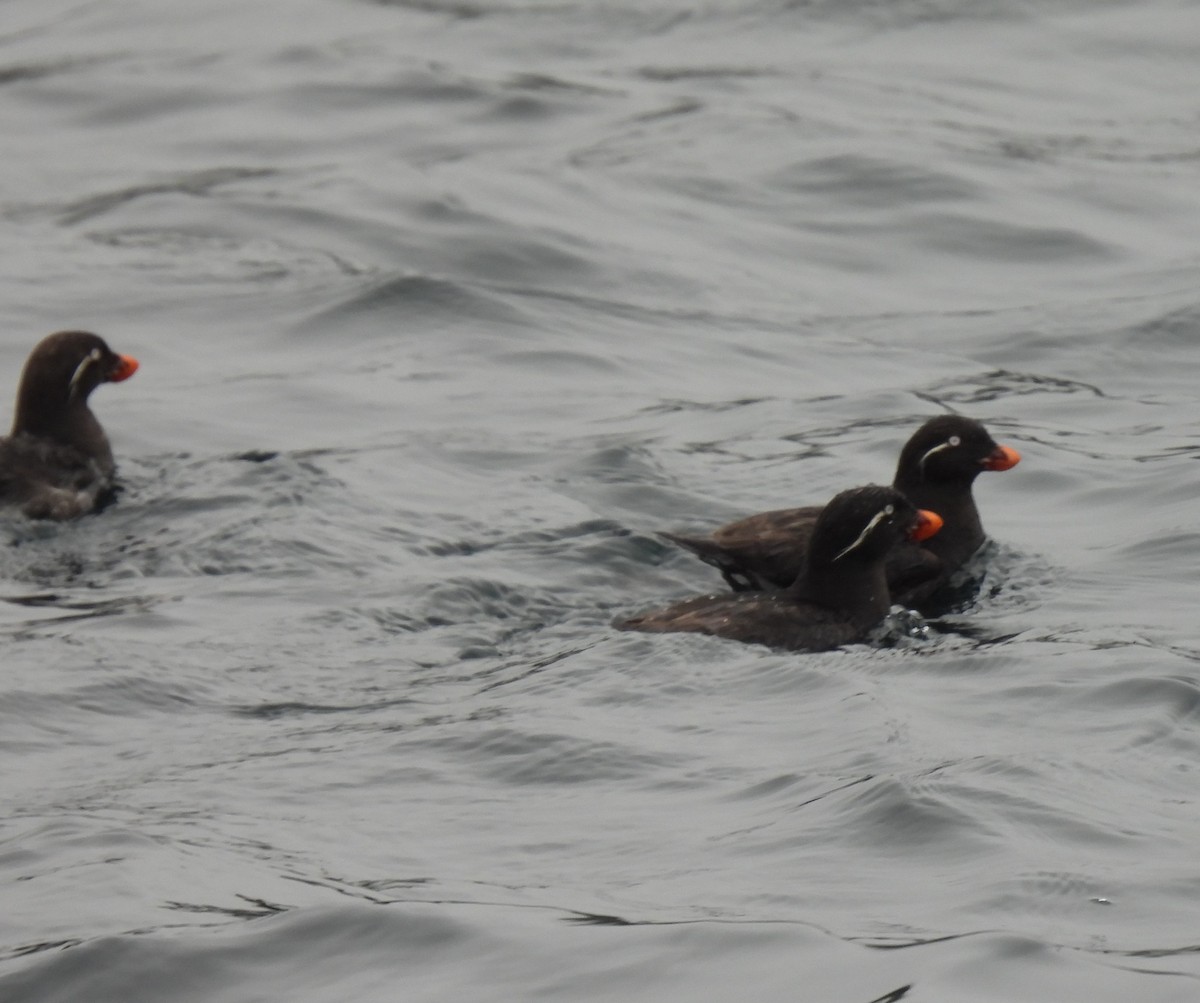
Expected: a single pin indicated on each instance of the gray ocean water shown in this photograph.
(444, 309)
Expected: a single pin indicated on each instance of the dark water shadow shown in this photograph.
(79, 609)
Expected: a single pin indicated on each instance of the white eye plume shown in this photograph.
(883, 514)
(77, 376)
(952, 443)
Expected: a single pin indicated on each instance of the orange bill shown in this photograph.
(126, 366)
(928, 523)
(1001, 458)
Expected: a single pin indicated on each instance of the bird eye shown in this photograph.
(954, 440)
(889, 509)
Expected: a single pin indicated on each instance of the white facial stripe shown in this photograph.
(950, 443)
(884, 513)
(92, 356)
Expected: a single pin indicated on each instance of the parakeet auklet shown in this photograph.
(838, 597)
(936, 470)
(57, 463)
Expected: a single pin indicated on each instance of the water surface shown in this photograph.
(444, 310)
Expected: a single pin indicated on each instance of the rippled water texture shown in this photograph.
(446, 309)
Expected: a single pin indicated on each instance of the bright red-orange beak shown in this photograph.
(928, 523)
(1001, 458)
(126, 366)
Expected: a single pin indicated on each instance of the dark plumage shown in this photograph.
(57, 463)
(936, 470)
(840, 595)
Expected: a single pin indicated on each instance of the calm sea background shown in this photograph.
(444, 308)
